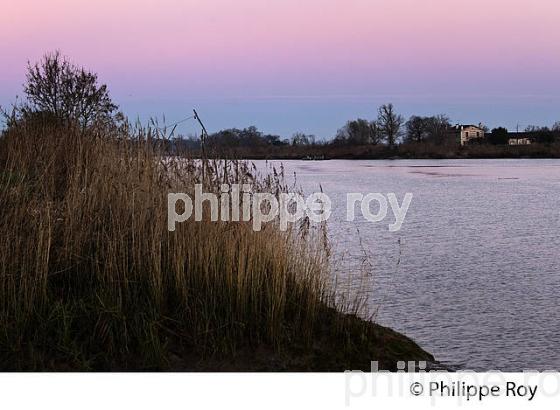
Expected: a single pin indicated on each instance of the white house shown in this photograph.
(466, 134)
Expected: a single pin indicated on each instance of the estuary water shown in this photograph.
(473, 275)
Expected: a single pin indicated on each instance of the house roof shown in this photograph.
(459, 127)
(467, 126)
(521, 134)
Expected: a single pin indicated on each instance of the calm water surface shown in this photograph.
(474, 274)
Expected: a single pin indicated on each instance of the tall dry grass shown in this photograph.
(90, 277)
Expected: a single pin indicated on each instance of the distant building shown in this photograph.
(519, 141)
(465, 134)
(522, 138)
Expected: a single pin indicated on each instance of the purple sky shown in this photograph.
(301, 65)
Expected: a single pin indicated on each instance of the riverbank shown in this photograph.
(404, 151)
(360, 344)
(92, 278)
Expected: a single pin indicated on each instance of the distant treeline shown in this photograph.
(58, 92)
(388, 136)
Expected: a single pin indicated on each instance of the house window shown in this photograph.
(478, 134)
(466, 133)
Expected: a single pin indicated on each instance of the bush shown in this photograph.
(59, 91)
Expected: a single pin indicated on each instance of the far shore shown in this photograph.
(377, 152)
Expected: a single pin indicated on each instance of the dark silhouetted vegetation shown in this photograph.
(389, 124)
(358, 132)
(91, 278)
(58, 91)
(498, 136)
(388, 136)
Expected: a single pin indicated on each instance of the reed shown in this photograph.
(92, 279)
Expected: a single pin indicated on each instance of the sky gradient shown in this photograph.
(300, 65)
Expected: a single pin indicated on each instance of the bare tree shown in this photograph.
(389, 124)
(534, 128)
(299, 138)
(437, 128)
(359, 132)
(67, 92)
(416, 129)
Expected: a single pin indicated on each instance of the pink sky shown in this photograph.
(421, 54)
